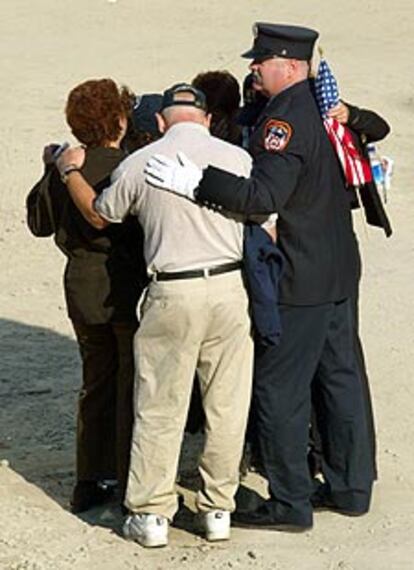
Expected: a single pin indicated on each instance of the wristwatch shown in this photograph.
(67, 170)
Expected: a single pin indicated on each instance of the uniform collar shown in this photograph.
(300, 87)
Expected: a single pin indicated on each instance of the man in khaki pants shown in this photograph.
(194, 317)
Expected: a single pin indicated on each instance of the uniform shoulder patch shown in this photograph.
(276, 135)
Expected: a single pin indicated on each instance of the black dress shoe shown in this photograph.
(322, 501)
(89, 494)
(247, 499)
(264, 518)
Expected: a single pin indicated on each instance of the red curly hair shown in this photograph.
(94, 109)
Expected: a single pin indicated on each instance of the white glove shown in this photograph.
(180, 177)
(269, 222)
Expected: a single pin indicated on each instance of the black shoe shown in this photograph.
(322, 501)
(89, 494)
(264, 518)
(247, 500)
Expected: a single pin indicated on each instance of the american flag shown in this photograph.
(326, 89)
(356, 168)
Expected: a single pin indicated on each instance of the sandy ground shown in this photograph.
(47, 47)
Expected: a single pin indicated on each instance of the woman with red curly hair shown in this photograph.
(104, 277)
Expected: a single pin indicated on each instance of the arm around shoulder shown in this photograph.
(272, 181)
(83, 196)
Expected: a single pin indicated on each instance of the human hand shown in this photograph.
(72, 156)
(269, 225)
(340, 112)
(181, 177)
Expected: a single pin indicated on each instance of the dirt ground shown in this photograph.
(48, 47)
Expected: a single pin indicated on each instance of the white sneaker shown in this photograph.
(146, 529)
(217, 525)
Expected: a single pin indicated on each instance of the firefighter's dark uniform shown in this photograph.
(296, 174)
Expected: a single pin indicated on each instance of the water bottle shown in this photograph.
(377, 169)
(388, 168)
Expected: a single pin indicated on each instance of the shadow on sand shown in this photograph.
(39, 380)
(40, 376)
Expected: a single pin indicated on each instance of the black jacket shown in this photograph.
(367, 126)
(296, 174)
(105, 272)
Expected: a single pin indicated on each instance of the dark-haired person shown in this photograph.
(104, 276)
(222, 92)
(254, 103)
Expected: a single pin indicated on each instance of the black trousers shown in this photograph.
(315, 451)
(105, 403)
(316, 354)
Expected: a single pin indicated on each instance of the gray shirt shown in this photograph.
(179, 234)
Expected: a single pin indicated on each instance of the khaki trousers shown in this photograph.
(195, 324)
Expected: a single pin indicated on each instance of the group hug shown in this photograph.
(212, 275)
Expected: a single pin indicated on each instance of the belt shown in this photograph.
(195, 273)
